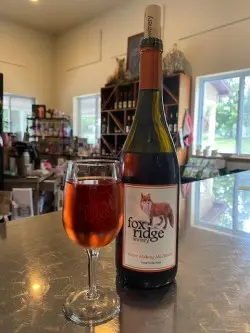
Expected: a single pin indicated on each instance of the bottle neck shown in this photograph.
(151, 68)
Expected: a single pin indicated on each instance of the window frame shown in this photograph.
(13, 96)
(200, 84)
(97, 113)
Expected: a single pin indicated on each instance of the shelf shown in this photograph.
(48, 119)
(55, 154)
(115, 133)
(174, 98)
(106, 144)
(122, 109)
(120, 84)
(50, 137)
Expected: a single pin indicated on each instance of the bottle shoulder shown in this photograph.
(149, 137)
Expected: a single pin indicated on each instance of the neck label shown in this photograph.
(152, 22)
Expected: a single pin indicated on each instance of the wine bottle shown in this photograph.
(104, 125)
(130, 100)
(128, 124)
(133, 100)
(125, 102)
(147, 246)
(120, 104)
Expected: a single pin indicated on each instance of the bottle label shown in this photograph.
(150, 226)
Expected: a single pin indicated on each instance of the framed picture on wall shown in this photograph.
(38, 111)
(133, 54)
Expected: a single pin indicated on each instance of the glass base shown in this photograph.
(86, 311)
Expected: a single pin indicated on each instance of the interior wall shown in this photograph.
(27, 62)
(102, 40)
(189, 22)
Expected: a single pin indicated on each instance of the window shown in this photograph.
(224, 112)
(16, 109)
(88, 117)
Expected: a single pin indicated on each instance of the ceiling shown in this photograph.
(53, 16)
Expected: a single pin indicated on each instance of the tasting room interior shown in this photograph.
(69, 84)
(69, 88)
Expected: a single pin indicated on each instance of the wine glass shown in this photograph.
(92, 217)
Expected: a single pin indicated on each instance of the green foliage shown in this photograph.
(227, 110)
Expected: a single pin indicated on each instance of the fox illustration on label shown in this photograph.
(162, 210)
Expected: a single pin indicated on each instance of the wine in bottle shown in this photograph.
(147, 246)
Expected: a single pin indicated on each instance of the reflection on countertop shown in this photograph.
(40, 267)
(223, 204)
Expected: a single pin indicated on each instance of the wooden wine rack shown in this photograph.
(118, 104)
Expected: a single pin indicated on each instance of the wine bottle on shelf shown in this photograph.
(128, 124)
(115, 104)
(171, 115)
(125, 102)
(104, 125)
(129, 100)
(147, 246)
(133, 100)
(120, 104)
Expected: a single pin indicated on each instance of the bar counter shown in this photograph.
(40, 267)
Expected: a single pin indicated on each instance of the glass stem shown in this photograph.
(93, 255)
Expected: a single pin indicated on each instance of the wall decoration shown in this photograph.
(133, 54)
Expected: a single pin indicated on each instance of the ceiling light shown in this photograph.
(34, 0)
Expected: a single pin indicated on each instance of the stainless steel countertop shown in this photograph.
(40, 267)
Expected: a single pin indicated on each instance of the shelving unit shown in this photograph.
(49, 135)
(118, 103)
(118, 107)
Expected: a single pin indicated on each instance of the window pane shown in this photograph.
(6, 120)
(89, 115)
(245, 143)
(15, 120)
(6, 102)
(20, 109)
(6, 114)
(220, 112)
